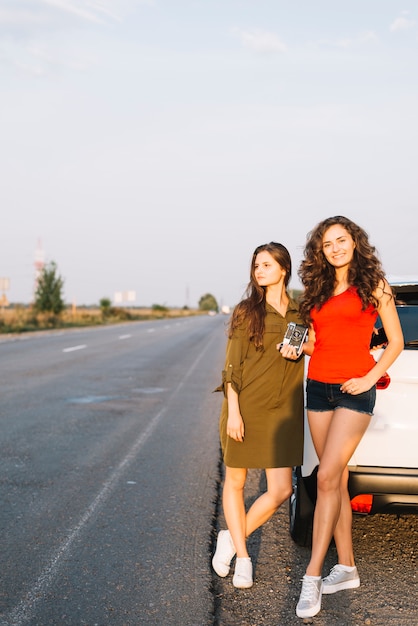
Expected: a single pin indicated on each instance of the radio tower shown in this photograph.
(39, 263)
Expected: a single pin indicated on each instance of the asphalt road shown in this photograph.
(109, 468)
(110, 482)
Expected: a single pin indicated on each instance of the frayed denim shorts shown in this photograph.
(328, 397)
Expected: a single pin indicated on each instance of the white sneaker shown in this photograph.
(310, 597)
(224, 552)
(340, 577)
(243, 575)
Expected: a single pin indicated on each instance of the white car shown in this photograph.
(384, 468)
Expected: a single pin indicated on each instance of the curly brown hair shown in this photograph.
(318, 275)
(252, 309)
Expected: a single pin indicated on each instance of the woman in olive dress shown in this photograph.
(261, 422)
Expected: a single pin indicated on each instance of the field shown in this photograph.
(20, 319)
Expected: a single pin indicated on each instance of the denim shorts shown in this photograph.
(328, 397)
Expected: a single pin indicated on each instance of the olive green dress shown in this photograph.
(270, 390)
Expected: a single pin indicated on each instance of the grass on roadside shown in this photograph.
(21, 319)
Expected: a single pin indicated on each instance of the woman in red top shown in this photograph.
(345, 290)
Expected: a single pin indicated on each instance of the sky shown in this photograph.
(147, 147)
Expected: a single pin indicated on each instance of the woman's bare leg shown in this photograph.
(343, 530)
(240, 524)
(335, 447)
(279, 488)
(319, 424)
(234, 507)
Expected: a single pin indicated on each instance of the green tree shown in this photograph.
(48, 296)
(208, 303)
(105, 306)
(161, 308)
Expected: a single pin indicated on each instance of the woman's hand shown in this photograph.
(235, 427)
(354, 386)
(287, 351)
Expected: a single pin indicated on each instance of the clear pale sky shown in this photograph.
(150, 146)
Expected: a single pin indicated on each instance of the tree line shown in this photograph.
(49, 296)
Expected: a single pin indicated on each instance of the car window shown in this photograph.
(407, 307)
(406, 294)
(406, 299)
(408, 316)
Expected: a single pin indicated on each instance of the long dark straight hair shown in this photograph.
(252, 309)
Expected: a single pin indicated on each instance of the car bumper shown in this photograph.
(394, 490)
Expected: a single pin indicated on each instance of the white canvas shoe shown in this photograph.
(310, 597)
(243, 575)
(225, 550)
(340, 577)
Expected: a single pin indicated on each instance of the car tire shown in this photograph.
(301, 509)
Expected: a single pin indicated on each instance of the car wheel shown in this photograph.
(301, 510)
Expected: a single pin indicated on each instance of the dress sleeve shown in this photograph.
(236, 350)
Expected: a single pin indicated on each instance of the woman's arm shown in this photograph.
(235, 423)
(308, 346)
(392, 326)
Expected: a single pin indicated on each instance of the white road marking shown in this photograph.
(74, 348)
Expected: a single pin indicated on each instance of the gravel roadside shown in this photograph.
(386, 555)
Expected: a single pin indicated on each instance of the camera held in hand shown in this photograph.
(296, 335)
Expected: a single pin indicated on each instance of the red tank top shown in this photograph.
(342, 339)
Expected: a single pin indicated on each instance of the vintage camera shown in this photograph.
(295, 336)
